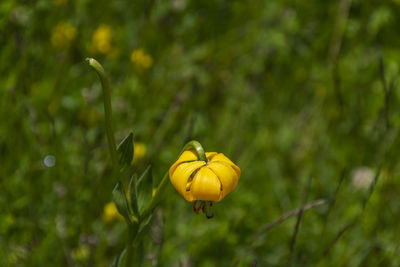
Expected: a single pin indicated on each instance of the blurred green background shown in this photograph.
(294, 92)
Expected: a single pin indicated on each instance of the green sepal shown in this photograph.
(144, 188)
(125, 151)
(133, 196)
(121, 202)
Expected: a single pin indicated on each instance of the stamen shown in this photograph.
(194, 206)
(208, 210)
(205, 207)
(196, 209)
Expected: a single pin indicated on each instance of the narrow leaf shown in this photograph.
(120, 260)
(125, 151)
(133, 195)
(144, 188)
(121, 202)
(144, 228)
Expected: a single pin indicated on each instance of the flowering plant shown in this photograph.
(198, 176)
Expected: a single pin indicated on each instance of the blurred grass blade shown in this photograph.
(125, 151)
(121, 202)
(119, 261)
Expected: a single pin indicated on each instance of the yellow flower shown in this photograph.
(140, 151)
(101, 39)
(111, 213)
(153, 192)
(141, 59)
(206, 181)
(81, 253)
(62, 35)
(90, 116)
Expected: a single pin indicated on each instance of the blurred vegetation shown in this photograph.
(294, 92)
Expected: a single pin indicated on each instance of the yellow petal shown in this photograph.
(181, 176)
(206, 185)
(226, 174)
(223, 158)
(186, 156)
(210, 155)
(189, 196)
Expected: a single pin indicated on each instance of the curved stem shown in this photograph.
(198, 148)
(107, 108)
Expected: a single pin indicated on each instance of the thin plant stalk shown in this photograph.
(107, 109)
(130, 249)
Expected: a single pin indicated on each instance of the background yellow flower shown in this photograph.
(62, 35)
(141, 59)
(81, 253)
(110, 213)
(140, 151)
(101, 39)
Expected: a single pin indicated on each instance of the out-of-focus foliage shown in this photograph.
(289, 90)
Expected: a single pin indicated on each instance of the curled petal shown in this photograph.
(186, 156)
(226, 175)
(206, 185)
(210, 155)
(223, 158)
(181, 175)
(189, 196)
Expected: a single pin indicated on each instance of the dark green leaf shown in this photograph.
(121, 201)
(125, 151)
(144, 188)
(133, 195)
(144, 228)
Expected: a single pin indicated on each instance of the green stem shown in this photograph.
(107, 108)
(198, 148)
(130, 249)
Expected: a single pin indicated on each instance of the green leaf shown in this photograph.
(133, 195)
(156, 198)
(143, 229)
(125, 151)
(144, 188)
(121, 202)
